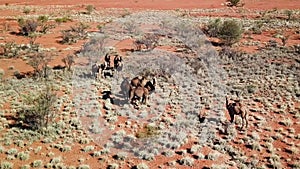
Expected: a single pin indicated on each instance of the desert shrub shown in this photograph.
(148, 131)
(212, 29)
(68, 37)
(27, 26)
(187, 161)
(25, 166)
(12, 151)
(75, 33)
(10, 49)
(234, 2)
(44, 25)
(65, 148)
(141, 166)
(113, 166)
(131, 27)
(38, 110)
(69, 61)
(23, 156)
(95, 46)
(37, 163)
(88, 148)
(229, 31)
(286, 122)
(6, 165)
(39, 62)
(26, 10)
(90, 8)
(62, 19)
(80, 30)
(289, 14)
(149, 41)
(120, 156)
(84, 166)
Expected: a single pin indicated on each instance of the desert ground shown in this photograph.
(54, 113)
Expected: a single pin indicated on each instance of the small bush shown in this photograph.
(39, 109)
(286, 122)
(69, 61)
(37, 164)
(148, 41)
(28, 26)
(12, 151)
(234, 2)
(75, 33)
(23, 156)
(26, 10)
(90, 8)
(10, 49)
(88, 148)
(84, 166)
(25, 167)
(148, 131)
(142, 166)
(229, 31)
(68, 37)
(6, 165)
(187, 161)
(62, 19)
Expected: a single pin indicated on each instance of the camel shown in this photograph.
(125, 88)
(141, 88)
(107, 59)
(96, 70)
(150, 85)
(118, 63)
(236, 108)
(138, 81)
(139, 93)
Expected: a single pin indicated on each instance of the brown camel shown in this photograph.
(236, 108)
(139, 93)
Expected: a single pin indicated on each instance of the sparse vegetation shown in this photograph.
(229, 31)
(28, 26)
(188, 85)
(148, 131)
(90, 9)
(39, 110)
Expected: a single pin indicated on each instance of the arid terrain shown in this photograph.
(55, 114)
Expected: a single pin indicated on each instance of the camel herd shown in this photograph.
(106, 69)
(138, 89)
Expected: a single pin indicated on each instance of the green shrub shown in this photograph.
(6, 165)
(90, 9)
(37, 164)
(63, 19)
(23, 156)
(234, 2)
(38, 110)
(10, 49)
(26, 10)
(230, 32)
(27, 26)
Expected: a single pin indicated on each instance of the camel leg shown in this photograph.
(131, 95)
(231, 117)
(243, 122)
(246, 120)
